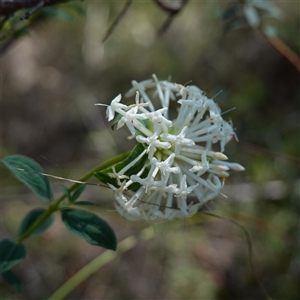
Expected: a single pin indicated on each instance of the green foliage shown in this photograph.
(73, 197)
(31, 218)
(84, 203)
(11, 254)
(251, 12)
(89, 227)
(16, 26)
(66, 192)
(232, 25)
(231, 12)
(58, 13)
(104, 176)
(66, 11)
(78, 192)
(27, 170)
(267, 8)
(13, 280)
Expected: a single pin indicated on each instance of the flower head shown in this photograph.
(181, 171)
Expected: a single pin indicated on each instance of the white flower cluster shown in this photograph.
(180, 160)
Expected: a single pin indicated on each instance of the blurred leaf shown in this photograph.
(270, 31)
(58, 13)
(31, 218)
(38, 183)
(251, 16)
(104, 175)
(84, 203)
(231, 12)
(89, 227)
(78, 192)
(11, 254)
(232, 25)
(77, 7)
(269, 8)
(13, 280)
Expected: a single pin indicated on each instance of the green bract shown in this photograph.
(105, 177)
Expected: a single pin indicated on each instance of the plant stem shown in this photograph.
(100, 261)
(284, 50)
(100, 167)
(55, 206)
(51, 209)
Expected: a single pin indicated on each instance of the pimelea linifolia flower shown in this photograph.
(183, 172)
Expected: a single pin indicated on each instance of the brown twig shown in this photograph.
(117, 20)
(39, 5)
(8, 7)
(173, 9)
(282, 48)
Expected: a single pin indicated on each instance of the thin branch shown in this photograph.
(250, 249)
(165, 26)
(284, 50)
(39, 5)
(173, 9)
(8, 7)
(117, 20)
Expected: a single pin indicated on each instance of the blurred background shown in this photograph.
(50, 80)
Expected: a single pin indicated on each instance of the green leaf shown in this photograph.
(78, 192)
(89, 227)
(13, 280)
(11, 254)
(104, 177)
(30, 175)
(30, 219)
(84, 203)
(66, 192)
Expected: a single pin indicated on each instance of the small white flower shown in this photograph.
(180, 161)
(178, 140)
(114, 106)
(153, 143)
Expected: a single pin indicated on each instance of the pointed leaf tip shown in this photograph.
(11, 253)
(89, 227)
(13, 280)
(31, 218)
(28, 171)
